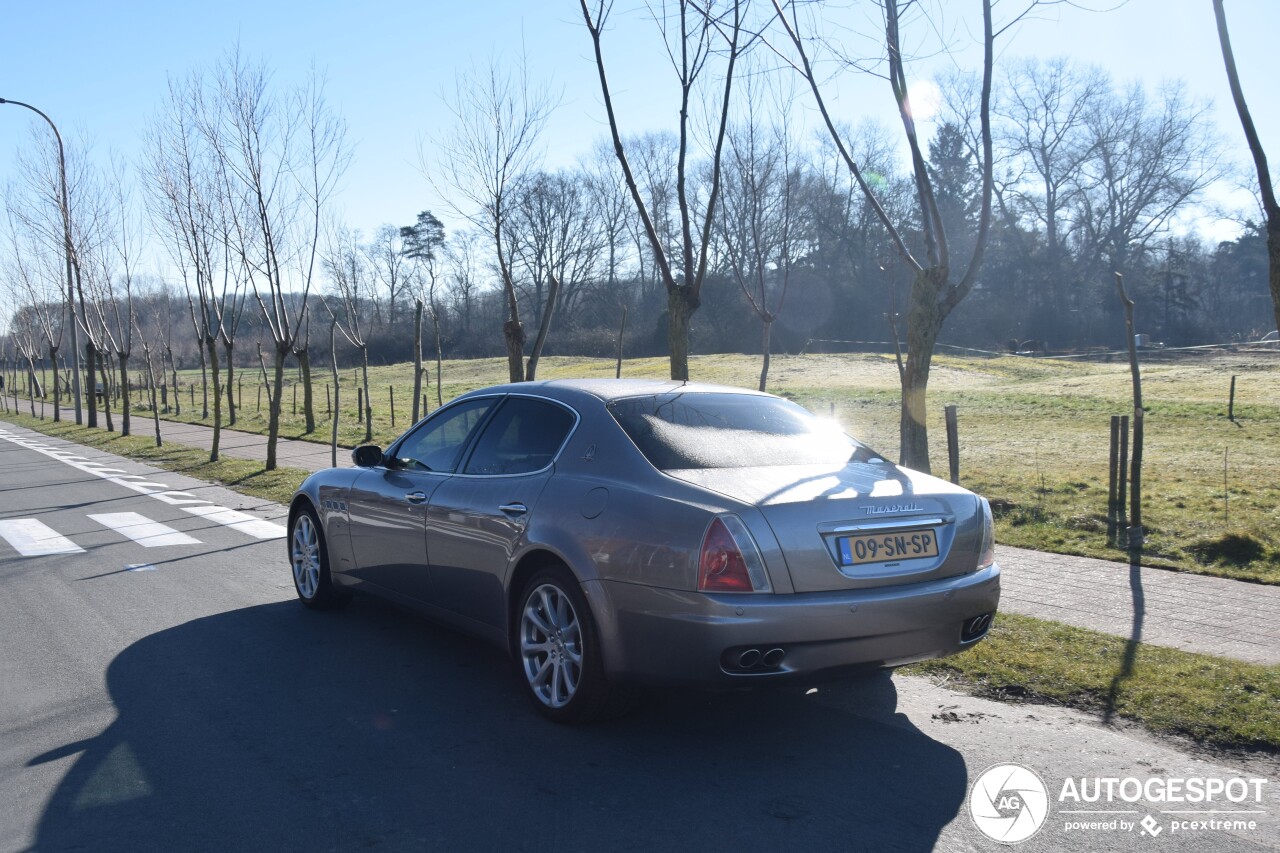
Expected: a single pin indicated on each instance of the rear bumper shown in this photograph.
(662, 636)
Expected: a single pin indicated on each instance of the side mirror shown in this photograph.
(367, 456)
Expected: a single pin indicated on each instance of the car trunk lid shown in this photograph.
(856, 526)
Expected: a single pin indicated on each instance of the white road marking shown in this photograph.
(245, 523)
(32, 538)
(144, 531)
(242, 521)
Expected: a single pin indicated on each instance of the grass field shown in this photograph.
(1034, 437)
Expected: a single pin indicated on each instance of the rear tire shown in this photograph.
(558, 652)
(309, 559)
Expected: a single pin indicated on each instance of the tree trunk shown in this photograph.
(177, 398)
(308, 398)
(124, 392)
(681, 303)
(155, 408)
(765, 345)
(435, 325)
(32, 382)
(57, 393)
(211, 344)
(106, 392)
(1273, 257)
(276, 395)
(368, 406)
(544, 326)
(231, 397)
(333, 439)
(417, 360)
(513, 333)
(204, 384)
(622, 328)
(1266, 189)
(925, 316)
(90, 366)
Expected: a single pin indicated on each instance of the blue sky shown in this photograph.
(100, 69)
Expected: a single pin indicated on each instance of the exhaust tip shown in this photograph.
(773, 658)
(976, 627)
(749, 658)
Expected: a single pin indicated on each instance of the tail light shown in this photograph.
(987, 555)
(730, 561)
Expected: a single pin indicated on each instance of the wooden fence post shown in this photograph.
(1113, 484)
(953, 443)
(1122, 514)
(391, 390)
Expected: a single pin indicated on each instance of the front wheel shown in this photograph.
(309, 558)
(559, 653)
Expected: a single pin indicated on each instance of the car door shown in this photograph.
(477, 517)
(388, 503)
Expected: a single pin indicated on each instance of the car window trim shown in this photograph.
(471, 446)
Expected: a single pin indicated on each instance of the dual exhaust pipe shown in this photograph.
(750, 659)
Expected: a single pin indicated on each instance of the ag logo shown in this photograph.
(1008, 803)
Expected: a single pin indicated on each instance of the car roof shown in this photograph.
(608, 390)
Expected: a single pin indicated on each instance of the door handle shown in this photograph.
(513, 509)
(416, 497)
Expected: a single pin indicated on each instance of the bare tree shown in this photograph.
(498, 117)
(1146, 163)
(423, 244)
(757, 216)
(47, 215)
(693, 36)
(1266, 190)
(935, 291)
(464, 280)
(348, 270)
(557, 243)
(113, 294)
(1041, 142)
(184, 198)
(385, 256)
(151, 380)
(280, 159)
(36, 280)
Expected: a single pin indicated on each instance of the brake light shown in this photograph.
(729, 561)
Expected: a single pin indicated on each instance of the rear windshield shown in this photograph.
(701, 430)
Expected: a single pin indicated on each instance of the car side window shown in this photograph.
(438, 443)
(523, 436)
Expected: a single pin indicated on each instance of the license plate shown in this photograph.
(884, 547)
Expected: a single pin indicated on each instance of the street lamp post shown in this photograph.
(67, 246)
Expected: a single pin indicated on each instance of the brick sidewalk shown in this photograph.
(1194, 613)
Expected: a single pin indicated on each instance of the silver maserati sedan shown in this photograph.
(616, 533)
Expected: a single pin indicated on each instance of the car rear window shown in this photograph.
(702, 430)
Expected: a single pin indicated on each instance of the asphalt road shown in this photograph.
(167, 695)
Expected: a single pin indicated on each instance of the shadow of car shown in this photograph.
(268, 728)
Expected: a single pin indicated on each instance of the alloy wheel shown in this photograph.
(551, 645)
(305, 551)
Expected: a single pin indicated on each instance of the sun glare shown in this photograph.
(925, 98)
